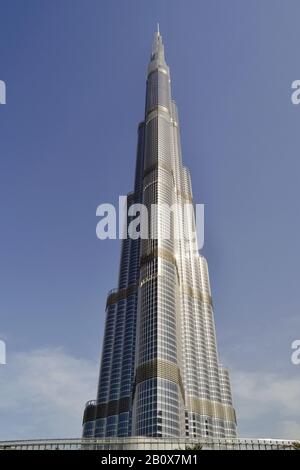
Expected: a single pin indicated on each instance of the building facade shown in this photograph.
(160, 374)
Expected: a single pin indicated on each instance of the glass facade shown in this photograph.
(160, 374)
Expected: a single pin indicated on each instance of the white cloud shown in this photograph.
(43, 394)
(268, 405)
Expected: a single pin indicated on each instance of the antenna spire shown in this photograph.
(158, 29)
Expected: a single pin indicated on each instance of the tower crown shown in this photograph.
(157, 58)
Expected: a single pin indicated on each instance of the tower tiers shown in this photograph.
(160, 374)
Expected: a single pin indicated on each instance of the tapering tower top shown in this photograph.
(158, 53)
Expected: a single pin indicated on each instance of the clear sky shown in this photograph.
(75, 74)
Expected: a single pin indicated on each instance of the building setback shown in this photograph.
(160, 374)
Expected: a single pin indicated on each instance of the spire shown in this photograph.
(158, 54)
(158, 47)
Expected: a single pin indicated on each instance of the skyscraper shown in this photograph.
(160, 373)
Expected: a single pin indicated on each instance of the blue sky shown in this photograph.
(75, 75)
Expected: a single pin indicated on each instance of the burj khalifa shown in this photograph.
(160, 373)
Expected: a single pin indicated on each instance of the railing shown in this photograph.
(91, 402)
(147, 443)
(112, 291)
